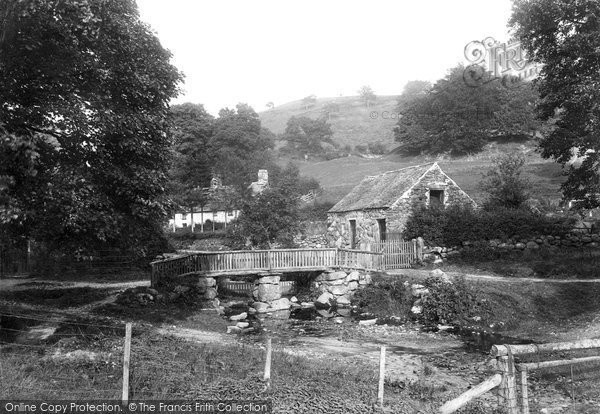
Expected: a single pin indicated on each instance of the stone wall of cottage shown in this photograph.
(367, 229)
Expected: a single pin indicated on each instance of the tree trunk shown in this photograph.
(192, 218)
(201, 219)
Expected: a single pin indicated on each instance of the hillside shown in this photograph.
(353, 124)
(337, 177)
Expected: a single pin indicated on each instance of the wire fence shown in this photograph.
(83, 360)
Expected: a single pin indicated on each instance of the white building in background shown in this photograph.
(209, 216)
(201, 217)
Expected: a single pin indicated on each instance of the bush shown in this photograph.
(385, 298)
(453, 225)
(451, 303)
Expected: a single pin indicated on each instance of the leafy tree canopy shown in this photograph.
(85, 87)
(307, 136)
(451, 117)
(273, 216)
(564, 37)
(240, 146)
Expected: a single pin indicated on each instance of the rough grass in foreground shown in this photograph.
(166, 367)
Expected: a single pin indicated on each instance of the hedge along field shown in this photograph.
(454, 225)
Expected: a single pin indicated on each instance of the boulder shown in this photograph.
(242, 325)
(418, 290)
(338, 290)
(352, 285)
(532, 245)
(280, 304)
(272, 280)
(328, 276)
(353, 276)
(367, 322)
(239, 317)
(294, 299)
(267, 292)
(342, 301)
(365, 279)
(206, 282)
(307, 305)
(417, 310)
(233, 330)
(260, 307)
(210, 294)
(324, 299)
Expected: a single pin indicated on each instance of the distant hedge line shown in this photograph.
(453, 225)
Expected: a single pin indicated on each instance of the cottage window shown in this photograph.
(436, 198)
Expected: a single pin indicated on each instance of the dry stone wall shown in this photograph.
(574, 240)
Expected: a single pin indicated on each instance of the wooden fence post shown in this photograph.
(381, 376)
(524, 393)
(420, 248)
(126, 356)
(267, 374)
(508, 386)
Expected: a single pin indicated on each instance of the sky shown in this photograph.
(260, 51)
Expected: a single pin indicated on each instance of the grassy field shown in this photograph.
(337, 177)
(352, 126)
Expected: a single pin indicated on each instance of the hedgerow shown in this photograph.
(453, 225)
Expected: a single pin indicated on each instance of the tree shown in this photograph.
(503, 182)
(240, 146)
(563, 36)
(270, 105)
(273, 215)
(85, 87)
(367, 95)
(416, 87)
(455, 118)
(192, 168)
(307, 136)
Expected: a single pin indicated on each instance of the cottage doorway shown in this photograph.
(381, 227)
(352, 234)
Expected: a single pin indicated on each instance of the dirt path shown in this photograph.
(418, 273)
(20, 283)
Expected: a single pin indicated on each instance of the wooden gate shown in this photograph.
(397, 254)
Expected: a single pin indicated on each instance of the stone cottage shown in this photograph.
(383, 203)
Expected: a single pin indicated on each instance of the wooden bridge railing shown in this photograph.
(248, 261)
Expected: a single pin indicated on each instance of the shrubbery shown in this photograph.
(385, 298)
(451, 303)
(453, 225)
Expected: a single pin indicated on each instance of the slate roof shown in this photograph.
(380, 191)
